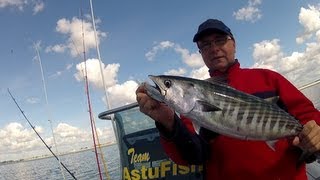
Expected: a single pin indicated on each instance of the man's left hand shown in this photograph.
(309, 138)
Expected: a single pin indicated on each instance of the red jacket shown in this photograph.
(229, 158)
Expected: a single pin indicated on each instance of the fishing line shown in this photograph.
(48, 110)
(33, 127)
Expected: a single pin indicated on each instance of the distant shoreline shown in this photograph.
(50, 155)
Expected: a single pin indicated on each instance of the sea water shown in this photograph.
(82, 164)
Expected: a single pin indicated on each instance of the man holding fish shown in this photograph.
(241, 123)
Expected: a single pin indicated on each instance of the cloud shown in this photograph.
(309, 18)
(15, 137)
(58, 48)
(161, 46)
(118, 94)
(59, 73)
(76, 30)
(13, 3)
(93, 73)
(69, 137)
(174, 72)
(249, 13)
(37, 5)
(18, 141)
(201, 73)
(254, 2)
(122, 94)
(266, 54)
(33, 100)
(65, 131)
(299, 67)
(192, 60)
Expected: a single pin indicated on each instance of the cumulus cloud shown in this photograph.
(73, 30)
(15, 137)
(58, 48)
(179, 72)
(266, 54)
(161, 46)
(33, 100)
(194, 65)
(18, 139)
(13, 3)
(37, 5)
(299, 67)
(93, 72)
(192, 60)
(66, 133)
(249, 13)
(122, 94)
(118, 94)
(309, 18)
(200, 73)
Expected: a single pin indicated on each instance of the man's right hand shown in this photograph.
(159, 112)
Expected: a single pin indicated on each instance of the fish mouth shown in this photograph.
(155, 92)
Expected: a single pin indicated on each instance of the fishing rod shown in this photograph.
(92, 122)
(104, 86)
(33, 127)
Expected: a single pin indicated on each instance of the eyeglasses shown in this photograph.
(219, 41)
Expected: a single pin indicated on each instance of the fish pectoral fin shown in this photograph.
(272, 144)
(196, 127)
(204, 106)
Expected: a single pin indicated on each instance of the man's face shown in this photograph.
(218, 51)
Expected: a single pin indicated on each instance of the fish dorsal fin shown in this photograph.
(272, 100)
(204, 106)
(218, 79)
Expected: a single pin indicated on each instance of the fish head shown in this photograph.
(177, 93)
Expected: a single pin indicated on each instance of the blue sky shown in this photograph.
(137, 38)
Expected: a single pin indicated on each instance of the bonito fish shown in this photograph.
(223, 109)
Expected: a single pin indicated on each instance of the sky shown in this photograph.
(136, 39)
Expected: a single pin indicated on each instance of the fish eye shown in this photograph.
(167, 83)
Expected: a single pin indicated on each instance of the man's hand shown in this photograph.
(309, 138)
(156, 110)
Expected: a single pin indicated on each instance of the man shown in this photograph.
(226, 157)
